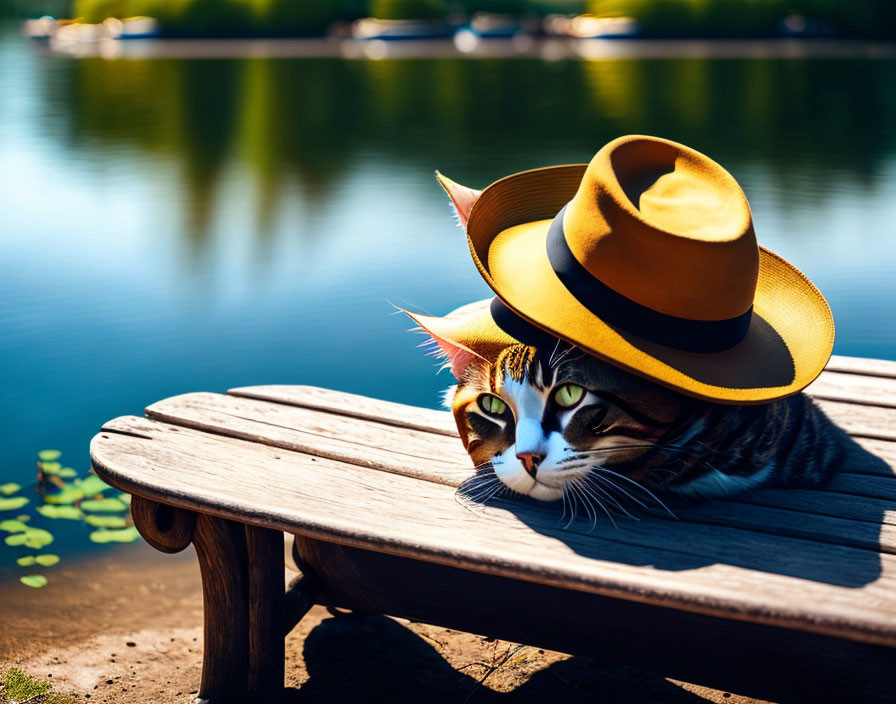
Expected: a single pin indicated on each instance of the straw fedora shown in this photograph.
(645, 258)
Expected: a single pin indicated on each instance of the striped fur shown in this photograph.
(627, 436)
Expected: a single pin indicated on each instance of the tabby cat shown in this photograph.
(556, 423)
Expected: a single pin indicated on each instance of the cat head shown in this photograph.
(544, 418)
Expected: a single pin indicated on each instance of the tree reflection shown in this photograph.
(296, 127)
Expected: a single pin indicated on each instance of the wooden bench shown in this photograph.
(787, 595)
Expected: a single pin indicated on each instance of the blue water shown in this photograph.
(177, 225)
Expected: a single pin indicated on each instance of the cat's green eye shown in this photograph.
(492, 405)
(568, 395)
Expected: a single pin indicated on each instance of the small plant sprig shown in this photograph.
(18, 688)
(64, 495)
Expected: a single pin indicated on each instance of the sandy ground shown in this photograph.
(127, 628)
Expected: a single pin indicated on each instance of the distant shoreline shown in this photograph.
(548, 49)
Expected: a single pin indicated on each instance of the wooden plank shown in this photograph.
(398, 414)
(883, 449)
(862, 365)
(710, 569)
(862, 421)
(854, 388)
(367, 443)
(791, 666)
(355, 441)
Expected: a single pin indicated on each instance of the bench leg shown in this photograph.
(221, 548)
(267, 657)
(242, 570)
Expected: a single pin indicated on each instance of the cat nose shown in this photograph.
(530, 461)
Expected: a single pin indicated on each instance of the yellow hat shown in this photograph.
(646, 258)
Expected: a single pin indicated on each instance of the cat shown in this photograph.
(553, 422)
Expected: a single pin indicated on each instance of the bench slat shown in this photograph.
(367, 443)
(344, 403)
(709, 569)
(871, 421)
(857, 497)
(863, 365)
(854, 388)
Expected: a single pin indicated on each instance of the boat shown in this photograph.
(372, 28)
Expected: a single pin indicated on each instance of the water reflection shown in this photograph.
(307, 121)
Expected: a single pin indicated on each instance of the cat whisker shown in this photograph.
(599, 503)
(568, 501)
(607, 485)
(639, 486)
(591, 487)
(580, 496)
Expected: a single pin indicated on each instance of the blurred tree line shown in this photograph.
(665, 18)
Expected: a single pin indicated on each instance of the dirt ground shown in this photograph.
(127, 629)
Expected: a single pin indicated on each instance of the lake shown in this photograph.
(171, 225)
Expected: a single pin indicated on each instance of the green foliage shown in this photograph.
(13, 526)
(34, 580)
(105, 521)
(12, 503)
(288, 17)
(407, 9)
(103, 505)
(9, 488)
(50, 511)
(19, 687)
(92, 485)
(228, 17)
(126, 535)
(66, 496)
(34, 538)
(697, 17)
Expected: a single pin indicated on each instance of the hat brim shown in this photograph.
(789, 341)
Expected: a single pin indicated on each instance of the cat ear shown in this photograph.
(456, 355)
(461, 197)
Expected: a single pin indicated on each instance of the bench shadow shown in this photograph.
(804, 544)
(366, 658)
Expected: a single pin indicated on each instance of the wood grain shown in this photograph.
(706, 568)
(863, 365)
(266, 609)
(353, 405)
(365, 442)
(166, 528)
(758, 661)
(854, 388)
(865, 414)
(221, 548)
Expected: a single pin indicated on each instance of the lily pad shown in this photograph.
(126, 535)
(9, 488)
(68, 473)
(92, 485)
(13, 526)
(68, 495)
(103, 505)
(35, 538)
(13, 503)
(60, 512)
(47, 560)
(26, 561)
(49, 455)
(50, 467)
(34, 580)
(106, 521)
